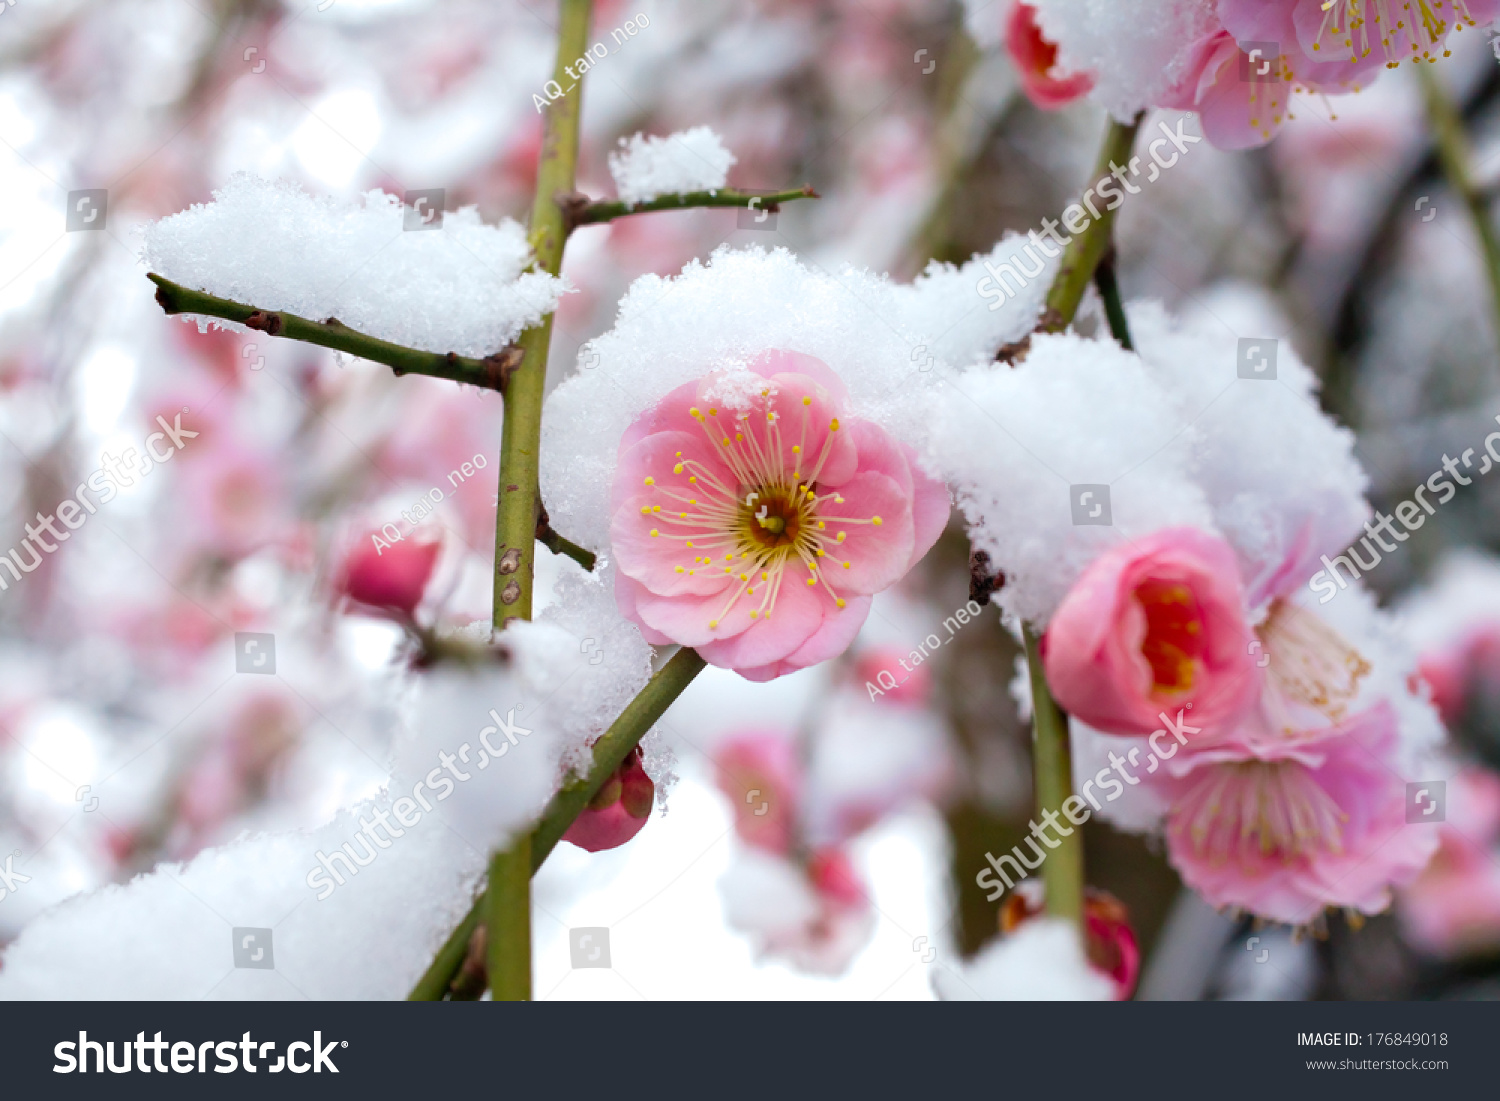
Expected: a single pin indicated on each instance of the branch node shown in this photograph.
(500, 366)
(573, 204)
(268, 323)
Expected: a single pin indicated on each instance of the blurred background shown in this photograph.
(128, 738)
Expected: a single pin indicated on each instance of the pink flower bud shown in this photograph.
(1155, 626)
(618, 811)
(389, 577)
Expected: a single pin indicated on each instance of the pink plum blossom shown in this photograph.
(1154, 625)
(391, 577)
(753, 519)
(762, 777)
(619, 810)
(1286, 828)
(1035, 59)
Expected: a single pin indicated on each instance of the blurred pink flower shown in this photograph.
(1036, 63)
(389, 577)
(1284, 828)
(235, 499)
(1453, 907)
(1464, 674)
(731, 534)
(618, 812)
(1154, 625)
(760, 774)
(913, 684)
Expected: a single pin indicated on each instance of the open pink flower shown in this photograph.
(618, 811)
(1346, 40)
(760, 774)
(1284, 828)
(1036, 63)
(753, 520)
(1152, 626)
(389, 577)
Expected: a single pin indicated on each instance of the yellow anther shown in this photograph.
(650, 481)
(833, 425)
(876, 520)
(654, 533)
(796, 449)
(678, 468)
(712, 623)
(812, 580)
(842, 534)
(841, 602)
(807, 401)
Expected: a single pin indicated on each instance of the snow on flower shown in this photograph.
(1021, 444)
(888, 346)
(1042, 79)
(753, 524)
(816, 915)
(689, 160)
(463, 288)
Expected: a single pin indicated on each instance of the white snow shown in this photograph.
(1014, 441)
(1042, 961)
(689, 160)
(462, 287)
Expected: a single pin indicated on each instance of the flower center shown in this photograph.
(1174, 633)
(1308, 661)
(1405, 31)
(759, 517)
(1255, 810)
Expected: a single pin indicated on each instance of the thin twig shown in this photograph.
(491, 373)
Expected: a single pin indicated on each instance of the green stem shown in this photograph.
(609, 751)
(1457, 157)
(1062, 873)
(557, 544)
(516, 517)
(508, 923)
(1087, 248)
(490, 372)
(508, 913)
(1114, 306)
(606, 210)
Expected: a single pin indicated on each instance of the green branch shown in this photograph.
(491, 373)
(1052, 766)
(583, 212)
(1063, 872)
(1088, 246)
(609, 753)
(1457, 158)
(1114, 305)
(508, 913)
